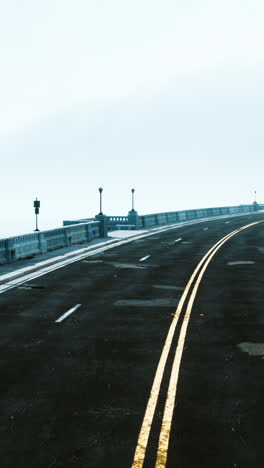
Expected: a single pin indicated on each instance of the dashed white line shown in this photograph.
(205, 229)
(84, 253)
(178, 240)
(162, 453)
(67, 313)
(144, 258)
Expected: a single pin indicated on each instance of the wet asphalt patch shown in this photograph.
(241, 262)
(164, 286)
(92, 261)
(253, 349)
(165, 302)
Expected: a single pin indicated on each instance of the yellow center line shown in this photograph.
(162, 452)
(140, 451)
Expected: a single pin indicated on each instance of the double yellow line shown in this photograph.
(164, 437)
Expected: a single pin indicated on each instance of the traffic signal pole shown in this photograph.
(36, 206)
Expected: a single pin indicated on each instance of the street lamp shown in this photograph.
(133, 191)
(36, 206)
(100, 190)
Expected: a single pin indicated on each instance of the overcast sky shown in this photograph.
(164, 96)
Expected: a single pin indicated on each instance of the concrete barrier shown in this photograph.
(28, 245)
(191, 214)
(171, 217)
(84, 230)
(182, 216)
(148, 220)
(134, 221)
(3, 243)
(159, 219)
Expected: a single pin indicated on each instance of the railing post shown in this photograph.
(42, 243)
(10, 250)
(88, 232)
(103, 224)
(67, 237)
(133, 218)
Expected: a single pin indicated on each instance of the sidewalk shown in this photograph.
(65, 255)
(12, 270)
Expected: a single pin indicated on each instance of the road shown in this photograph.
(85, 378)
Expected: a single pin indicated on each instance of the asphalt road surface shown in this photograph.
(90, 377)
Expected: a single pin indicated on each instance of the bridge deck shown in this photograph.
(74, 392)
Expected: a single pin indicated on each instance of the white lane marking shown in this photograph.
(115, 243)
(84, 254)
(227, 222)
(205, 229)
(51, 260)
(69, 312)
(178, 240)
(144, 258)
(164, 438)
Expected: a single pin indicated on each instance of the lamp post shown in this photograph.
(133, 191)
(133, 218)
(36, 206)
(255, 192)
(100, 190)
(101, 218)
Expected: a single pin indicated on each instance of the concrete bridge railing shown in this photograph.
(157, 219)
(28, 245)
(185, 215)
(134, 221)
(84, 230)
